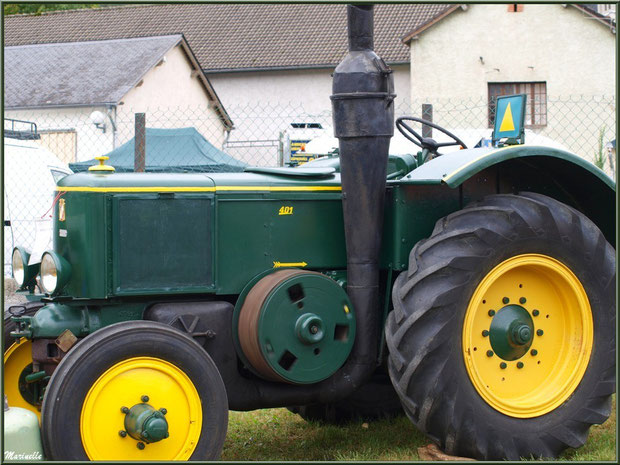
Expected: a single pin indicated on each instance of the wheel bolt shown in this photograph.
(489, 353)
(534, 352)
(503, 365)
(144, 398)
(520, 365)
(539, 332)
(485, 333)
(505, 300)
(163, 411)
(140, 445)
(522, 300)
(314, 329)
(124, 410)
(491, 312)
(535, 313)
(122, 433)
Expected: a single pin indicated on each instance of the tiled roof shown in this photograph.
(233, 36)
(591, 10)
(79, 73)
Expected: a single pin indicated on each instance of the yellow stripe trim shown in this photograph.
(200, 189)
(476, 160)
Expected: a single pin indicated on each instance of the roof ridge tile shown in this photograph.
(76, 10)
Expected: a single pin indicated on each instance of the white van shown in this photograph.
(293, 141)
(30, 176)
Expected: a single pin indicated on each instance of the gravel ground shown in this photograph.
(10, 297)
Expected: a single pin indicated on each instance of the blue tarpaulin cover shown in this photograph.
(170, 151)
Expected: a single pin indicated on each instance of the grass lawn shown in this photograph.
(277, 434)
(601, 443)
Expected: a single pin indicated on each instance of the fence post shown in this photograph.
(427, 114)
(280, 149)
(139, 162)
(611, 154)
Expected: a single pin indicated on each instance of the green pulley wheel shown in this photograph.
(296, 326)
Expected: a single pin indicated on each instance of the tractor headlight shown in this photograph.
(55, 272)
(22, 273)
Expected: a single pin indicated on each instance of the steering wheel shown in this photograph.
(426, 142)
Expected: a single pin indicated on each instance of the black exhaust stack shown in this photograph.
(363, 113)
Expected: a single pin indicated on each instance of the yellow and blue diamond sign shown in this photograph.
(509, 119)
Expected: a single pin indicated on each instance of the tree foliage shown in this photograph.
(38, 8)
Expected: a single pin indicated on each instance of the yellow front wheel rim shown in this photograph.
(17, 358)
(123, 385)
(558, 351)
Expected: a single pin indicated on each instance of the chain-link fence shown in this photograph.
(197, 139)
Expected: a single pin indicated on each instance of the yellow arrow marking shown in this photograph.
(507, 123)
(280, 264)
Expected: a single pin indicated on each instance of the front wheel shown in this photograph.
(18, 363)
(502, 338)
(135, 390)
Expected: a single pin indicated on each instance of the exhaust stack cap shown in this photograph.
(363, 85)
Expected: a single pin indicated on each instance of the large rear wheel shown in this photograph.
(135, 390)
(502, 338)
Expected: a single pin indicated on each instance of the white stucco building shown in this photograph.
(59, 86)
(308, 87)
(475, 45)
(279, 55)
(271, 64)
(562, 56)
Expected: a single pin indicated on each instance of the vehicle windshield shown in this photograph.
(58, 175)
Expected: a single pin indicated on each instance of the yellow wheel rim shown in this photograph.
(550, 370)
(16, 359)
(123, 385)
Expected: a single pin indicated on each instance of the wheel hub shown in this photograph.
(511, 332)
(539, 364)
(144, 423)
(309, 328)
(521, 334)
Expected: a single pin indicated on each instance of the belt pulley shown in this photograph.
(296, 326)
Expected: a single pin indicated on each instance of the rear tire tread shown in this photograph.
(426, 293)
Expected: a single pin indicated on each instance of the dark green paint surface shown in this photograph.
(284, 328)
(143, 423)
(455, 167)
(410, 215)
(162, 243)
(252, 235)
(82, 239)
(54, 318)
(511, 332)
(242, 224)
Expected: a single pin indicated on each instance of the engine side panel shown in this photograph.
(256, 233)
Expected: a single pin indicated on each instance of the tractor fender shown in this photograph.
(557, 173)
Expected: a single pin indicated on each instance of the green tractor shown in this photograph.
(482, 281)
